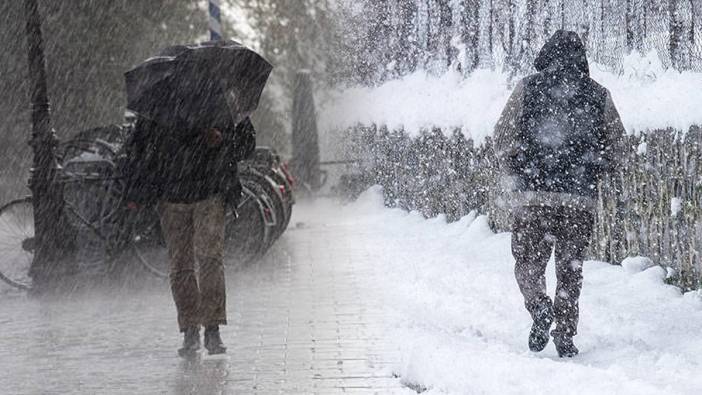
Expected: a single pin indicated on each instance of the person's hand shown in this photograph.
(213, 137)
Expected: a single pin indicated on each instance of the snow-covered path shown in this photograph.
(462, 327)
(385, 292)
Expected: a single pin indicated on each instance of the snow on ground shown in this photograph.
(459, 320)
(452, 319)
(647, 95)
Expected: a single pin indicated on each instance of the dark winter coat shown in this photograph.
(180, 167)
(560, 131)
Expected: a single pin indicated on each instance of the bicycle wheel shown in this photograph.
(247, 236)
(17, 242)
(280, 178)
(92, 195)
(272, 190)
(91, 187)
(149, 248)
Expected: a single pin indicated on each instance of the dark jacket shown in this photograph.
(560, 131)
(179, 166)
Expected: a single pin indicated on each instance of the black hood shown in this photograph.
(564, 51)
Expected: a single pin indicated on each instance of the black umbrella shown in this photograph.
(214, 83)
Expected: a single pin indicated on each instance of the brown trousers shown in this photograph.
(536, 232)
(195, 233)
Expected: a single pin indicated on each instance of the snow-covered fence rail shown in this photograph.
(657, 211)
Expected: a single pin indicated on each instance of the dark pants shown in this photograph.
(536, 231)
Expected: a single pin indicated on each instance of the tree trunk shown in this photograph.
(692, 22)
(376, 51)
(647, 12)
(407, 40)
(629, 20)
(675, 31)
(445, 27)
(603, 18)
(491, 20)
(548, 18)
(530, 17)
(430, 31)
(585, 34)
(470, 19)
(526, 51)
(639, 12)
(511, 31)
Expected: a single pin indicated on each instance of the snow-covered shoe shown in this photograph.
(564, 345)
(213, 341)
(538, 337)
(191, 342)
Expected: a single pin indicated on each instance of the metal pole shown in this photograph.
(46, 192)
(215, 20)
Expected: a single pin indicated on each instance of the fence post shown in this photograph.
(305, 136)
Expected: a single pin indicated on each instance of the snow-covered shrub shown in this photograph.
(443, 172)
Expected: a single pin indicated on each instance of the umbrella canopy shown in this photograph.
(215, 83)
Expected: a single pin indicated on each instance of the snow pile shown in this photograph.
(456, 314)
(637, 264)
(647, 95)
(650, 97)
(420, 100)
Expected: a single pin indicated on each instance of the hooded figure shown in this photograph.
(558, 135)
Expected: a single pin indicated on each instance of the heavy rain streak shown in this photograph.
(327, 196)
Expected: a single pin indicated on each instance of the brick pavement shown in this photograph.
(305, 320)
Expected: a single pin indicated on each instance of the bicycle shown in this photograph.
(94, 209)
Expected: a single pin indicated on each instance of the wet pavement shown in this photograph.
(307, 319)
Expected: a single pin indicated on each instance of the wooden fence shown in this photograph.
(651, 207)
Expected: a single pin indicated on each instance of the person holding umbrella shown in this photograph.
(193, 105)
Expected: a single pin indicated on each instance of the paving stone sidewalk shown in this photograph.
(304, 320)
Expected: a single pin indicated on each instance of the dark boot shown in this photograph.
(564, 344)
(191, 342)
(213, 341)
(543, 318)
